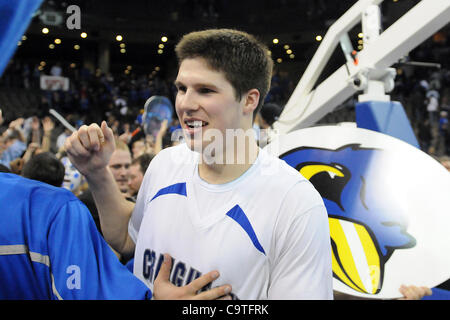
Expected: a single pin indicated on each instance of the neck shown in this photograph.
(234, 163)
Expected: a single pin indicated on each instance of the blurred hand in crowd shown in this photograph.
(16, 124)
(47, 124)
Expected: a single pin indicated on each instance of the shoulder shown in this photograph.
(39, 196)
(33, 208)
(173, 153)
(177, 156)
(280, 173)
(24, 186)
(296, 192)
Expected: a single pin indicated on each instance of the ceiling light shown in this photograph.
(286, 46)
(51, 46)
(58, 41)
(289, 51)
(123, 50)
(122, 45)
(161, 46)
(275, 40)
(45, 30)
(160, 51)
(319, 38)
(119, 37)
(83, 35)
(360, 35)
(279, 60)
(76, 47)
(164, 39)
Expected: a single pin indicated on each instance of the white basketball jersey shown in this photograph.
(266, 232)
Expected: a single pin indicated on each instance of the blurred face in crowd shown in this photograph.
(120, 167)
(138, 148)
(136, 178)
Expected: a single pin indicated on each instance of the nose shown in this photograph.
(186, 101)
(124, 171)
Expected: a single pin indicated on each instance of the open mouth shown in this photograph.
(195, 124)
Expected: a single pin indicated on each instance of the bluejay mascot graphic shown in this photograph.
(366, 224)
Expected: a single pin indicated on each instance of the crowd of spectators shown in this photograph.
(119, 99)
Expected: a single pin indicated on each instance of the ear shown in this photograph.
(251, 101)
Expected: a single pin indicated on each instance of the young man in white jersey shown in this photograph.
(218, 201)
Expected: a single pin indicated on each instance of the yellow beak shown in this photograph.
(355, 259)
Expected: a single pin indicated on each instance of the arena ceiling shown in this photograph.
(142, 23)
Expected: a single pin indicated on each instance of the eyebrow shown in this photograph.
(209, 85)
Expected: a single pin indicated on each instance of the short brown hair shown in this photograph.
(143, 161)
(243, 59)
(120, 145)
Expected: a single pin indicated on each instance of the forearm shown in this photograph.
(113, 209)
(46, 141)
(36, 137)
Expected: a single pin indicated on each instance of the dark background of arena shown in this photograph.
(98, 90)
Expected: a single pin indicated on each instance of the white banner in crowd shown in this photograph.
(388, 207)
(54, 83)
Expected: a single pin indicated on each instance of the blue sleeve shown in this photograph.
(82, 264)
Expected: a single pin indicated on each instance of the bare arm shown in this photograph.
(48, 126)
(160, 136)
(89, 149)
(113, 209)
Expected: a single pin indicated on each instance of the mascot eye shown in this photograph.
(329, 180)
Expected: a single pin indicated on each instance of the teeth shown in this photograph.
(195, 124)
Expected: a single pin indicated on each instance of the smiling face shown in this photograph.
(207, 101)
(120, 167)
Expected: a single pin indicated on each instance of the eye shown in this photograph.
(181, 88)
(205, 90)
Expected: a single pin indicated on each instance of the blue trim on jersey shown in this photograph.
(238, 215)
(177, 188)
